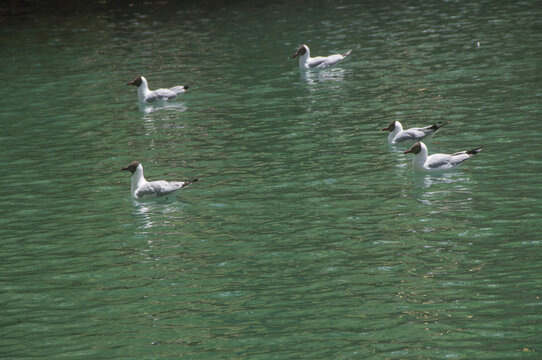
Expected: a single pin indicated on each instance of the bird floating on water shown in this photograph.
(397, 135)
(146, 95)
(319, 62)
(423, 162)
(143, 189)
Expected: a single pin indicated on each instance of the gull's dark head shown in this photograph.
(132, 167)
(136, 82)
(390, 127)
(415, 149)
(301, 51)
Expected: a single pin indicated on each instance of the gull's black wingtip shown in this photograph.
(186, 183)
(475, 151)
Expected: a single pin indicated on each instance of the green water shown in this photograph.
(307, 236)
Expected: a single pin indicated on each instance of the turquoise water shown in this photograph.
(307, 236)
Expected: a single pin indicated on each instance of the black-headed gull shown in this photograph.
(397, 135)
(141, 188)
(319, 62)
(437, 162)
(146, 95)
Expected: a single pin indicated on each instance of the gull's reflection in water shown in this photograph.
(426, 180)
(315, 76)
(443, 193)
(168, 111)
(156, 212)
(162, 105)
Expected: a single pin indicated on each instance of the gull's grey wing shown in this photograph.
(164, 94)
(407, 135)
(327, 61)
(424, 130)
(151, 97)
(149, 189)
(428, 130)
(158, 188)
(459, 157)
(447, 161)
(178, 89)
(317, 61)
(439, 161)
(414, 134)
(169, 187)
(419, 133)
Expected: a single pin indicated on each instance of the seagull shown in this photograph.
(398, 135)
(141, 188)
(319, 62)
(437, 162)
(146, 95)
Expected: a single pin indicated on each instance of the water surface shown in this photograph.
(307, 236)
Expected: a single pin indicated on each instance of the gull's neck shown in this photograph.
(420, 158)
(138, 179)
(398, 128)
(143, 90)
(304, 59)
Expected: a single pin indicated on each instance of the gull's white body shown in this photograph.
(398, 135)
(143, 189)
(319, 62)
(146, 95)
(423, 162)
